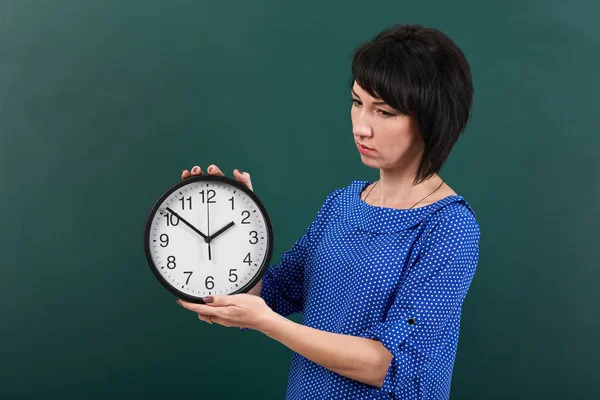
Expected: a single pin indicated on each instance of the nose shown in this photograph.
(361, 126)
(361, 122)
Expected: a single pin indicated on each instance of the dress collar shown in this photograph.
(387, 220)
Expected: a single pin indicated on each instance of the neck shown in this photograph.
(396, 188)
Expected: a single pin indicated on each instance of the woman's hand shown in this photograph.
(237, 310)
(242, 177)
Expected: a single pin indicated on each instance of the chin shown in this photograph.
(369, 162)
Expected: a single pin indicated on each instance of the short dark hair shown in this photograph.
(420, 72)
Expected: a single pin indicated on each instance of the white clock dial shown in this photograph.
(208, 237)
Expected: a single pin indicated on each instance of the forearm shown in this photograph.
(256, 289)
(361, 359)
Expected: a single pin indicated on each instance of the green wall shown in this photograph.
(103, 103)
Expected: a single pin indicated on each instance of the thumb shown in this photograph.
(243, 177)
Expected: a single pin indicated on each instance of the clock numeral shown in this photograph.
(164, 238)
(232, 205)
(254, 237)
(210, 194)
(209, 281)
(247, 259)
(172, 220)
(231, 274)
(171, 260)
(189, 276)
(189, 199)
(247, 216)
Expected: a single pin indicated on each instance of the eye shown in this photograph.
(386, 114)
(355, 102)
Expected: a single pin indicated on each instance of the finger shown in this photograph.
(198, 308)
(223, 300)
(216, 320)
(243, 177)
(204, 318)
(196, 170)
(214, 170)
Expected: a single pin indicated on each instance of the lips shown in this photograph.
(363, 146)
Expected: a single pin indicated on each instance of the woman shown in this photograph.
(380, 275)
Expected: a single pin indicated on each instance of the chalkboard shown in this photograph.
(104, 103)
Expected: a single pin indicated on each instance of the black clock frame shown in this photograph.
(207, 178)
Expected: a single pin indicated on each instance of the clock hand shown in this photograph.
(206, 238)
(208, 229)
(223, 229)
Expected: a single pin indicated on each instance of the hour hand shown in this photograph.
(206, 238)
(223, 229)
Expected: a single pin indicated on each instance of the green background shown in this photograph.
(104, 102)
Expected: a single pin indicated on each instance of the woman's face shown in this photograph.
(393, 138)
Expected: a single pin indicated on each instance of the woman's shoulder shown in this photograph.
(338, 197)
(340, 191)
(456, 221)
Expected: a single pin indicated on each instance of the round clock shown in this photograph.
(208, 235)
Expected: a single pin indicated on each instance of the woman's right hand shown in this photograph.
(242, 177)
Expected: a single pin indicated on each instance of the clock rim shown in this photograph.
(219, 178)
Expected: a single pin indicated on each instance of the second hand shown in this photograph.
(208, 221)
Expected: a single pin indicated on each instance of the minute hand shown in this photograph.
(206, 238)
(223, 229)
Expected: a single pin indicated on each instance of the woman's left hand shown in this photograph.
(238, 310)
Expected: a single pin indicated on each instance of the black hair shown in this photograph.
(422, 73)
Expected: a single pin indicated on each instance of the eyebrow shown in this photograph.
(377, 103)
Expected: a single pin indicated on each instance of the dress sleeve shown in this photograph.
(283, 283)
(433, 293)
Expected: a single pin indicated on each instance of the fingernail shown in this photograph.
(195, 169)
(178, 303)
(208, 299)
(210, 169)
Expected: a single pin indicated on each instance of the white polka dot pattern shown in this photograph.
(396, 276)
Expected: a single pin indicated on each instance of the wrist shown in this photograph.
(272, 323)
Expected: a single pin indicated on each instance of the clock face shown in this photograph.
(208, 235)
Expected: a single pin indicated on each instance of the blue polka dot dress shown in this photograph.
(396, 276)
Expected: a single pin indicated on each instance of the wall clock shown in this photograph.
(207, 235)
